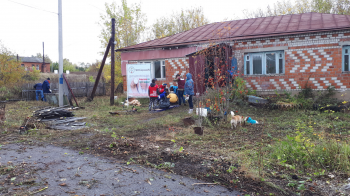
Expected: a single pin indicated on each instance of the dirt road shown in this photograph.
(51, 170)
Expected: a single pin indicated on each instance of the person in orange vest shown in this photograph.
(153, 94)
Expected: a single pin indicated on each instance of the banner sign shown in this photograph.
(138, 80)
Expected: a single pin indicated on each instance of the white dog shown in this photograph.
(236, 119)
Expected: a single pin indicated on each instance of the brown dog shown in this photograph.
(236, 119)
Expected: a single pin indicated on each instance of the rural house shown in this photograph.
(270, 53)
(29, 62)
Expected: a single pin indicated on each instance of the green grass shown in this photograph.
(258, 149)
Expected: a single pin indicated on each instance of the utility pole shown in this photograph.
(42, 67)
(60, 50)
(112, 62)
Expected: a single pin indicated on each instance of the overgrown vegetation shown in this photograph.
(308, 144)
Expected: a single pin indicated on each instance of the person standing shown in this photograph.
(153, 94)
(180, 89)
(189, 91)
(46, 86)
(39, 91)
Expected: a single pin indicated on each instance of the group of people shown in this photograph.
(159, 96)
(41, 88)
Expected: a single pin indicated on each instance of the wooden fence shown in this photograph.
(80, 89)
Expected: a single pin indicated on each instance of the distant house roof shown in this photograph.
(251, 28)
(31, 60)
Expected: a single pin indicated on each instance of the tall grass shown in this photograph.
(330, 155)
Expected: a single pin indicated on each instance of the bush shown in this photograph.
(331, 154)
(317, 153)
(240, 90)
(7, 93)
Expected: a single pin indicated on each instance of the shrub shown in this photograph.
(303, 152)
(240, 90)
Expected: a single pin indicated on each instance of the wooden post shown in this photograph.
(87, 89)
(100, 71)
(42, 67)
(112, 63)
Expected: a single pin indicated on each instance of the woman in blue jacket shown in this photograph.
(189, 91)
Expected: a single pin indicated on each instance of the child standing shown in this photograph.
(153, 94)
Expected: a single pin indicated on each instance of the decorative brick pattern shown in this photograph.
(315, 59)
(176, 66)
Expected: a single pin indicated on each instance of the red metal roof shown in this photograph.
(251, 28)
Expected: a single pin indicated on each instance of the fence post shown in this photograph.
(87, 89)
(104, 89)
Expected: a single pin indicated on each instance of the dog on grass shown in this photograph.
(235, 119)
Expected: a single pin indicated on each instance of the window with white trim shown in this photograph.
(37, 67)
(262, 63)
(346, 58)
(157, 68)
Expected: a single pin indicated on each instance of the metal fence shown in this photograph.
(80, 89)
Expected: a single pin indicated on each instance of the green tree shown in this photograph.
(55, 66)
(47, 58)
(67, 65)
(284, 7)
(179, 22)
(129, 28)
(11, 70)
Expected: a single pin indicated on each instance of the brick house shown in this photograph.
(272, 53)
(29, 62)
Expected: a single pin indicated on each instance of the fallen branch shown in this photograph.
(204, 184)
(38, 191)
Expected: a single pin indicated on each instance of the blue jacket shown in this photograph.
(175, 88)
(46, 86)
(161, 95)
(251, 121)
(189, 86)
(38, 86)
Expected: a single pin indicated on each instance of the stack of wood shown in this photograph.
(48, 113)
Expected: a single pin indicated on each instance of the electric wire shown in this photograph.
(33, 7)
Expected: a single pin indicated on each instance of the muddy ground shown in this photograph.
(148, 141)
(50, 170)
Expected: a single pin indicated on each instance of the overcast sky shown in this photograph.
(23, 29)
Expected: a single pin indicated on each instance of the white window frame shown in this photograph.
(249, 58)
(37, 67)
(346, 51)
(162, 68)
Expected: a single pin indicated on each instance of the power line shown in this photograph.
(33, 7)
(96, 7)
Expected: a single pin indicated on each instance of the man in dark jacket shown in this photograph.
(39, 91)
(46, 86)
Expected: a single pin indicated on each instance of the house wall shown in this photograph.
(173, 66)
(30, 65)
(315, 59)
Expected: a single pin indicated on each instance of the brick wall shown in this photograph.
(313, 58)
(173, 66)
(30, 65)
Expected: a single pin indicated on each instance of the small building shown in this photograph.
(270, 53)
(34, 62)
